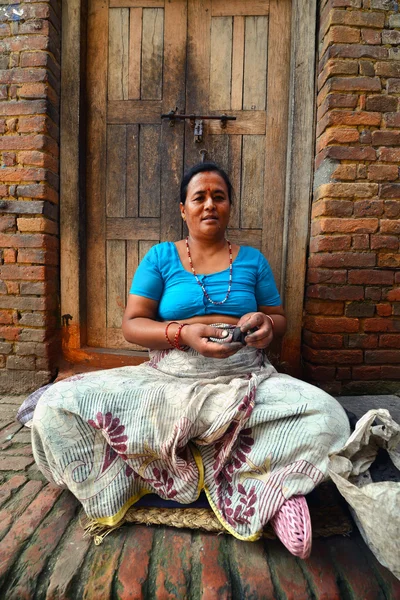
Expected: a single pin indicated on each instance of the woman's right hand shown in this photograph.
(197, 336)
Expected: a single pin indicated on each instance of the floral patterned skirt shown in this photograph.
(182, 423)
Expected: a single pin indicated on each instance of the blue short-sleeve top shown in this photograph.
(161, 276)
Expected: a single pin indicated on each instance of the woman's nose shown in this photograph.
(209, 203)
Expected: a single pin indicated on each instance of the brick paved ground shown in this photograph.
(44, 556)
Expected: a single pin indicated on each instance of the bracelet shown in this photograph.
(166, 333)
(176, 338)
(272, 322)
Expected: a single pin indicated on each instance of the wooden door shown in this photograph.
(145, 58)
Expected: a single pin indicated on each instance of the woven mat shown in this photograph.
(329, 515)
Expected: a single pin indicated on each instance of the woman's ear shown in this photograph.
(182, 207)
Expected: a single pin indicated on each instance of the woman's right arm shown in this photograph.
(139, 326)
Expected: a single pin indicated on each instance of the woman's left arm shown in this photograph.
(270, 322)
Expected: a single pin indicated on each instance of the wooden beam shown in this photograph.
(277, 134)
(133, 229)
(299, 173)
(136, 3)
(230, 8)
(134, 111)
(71, 218)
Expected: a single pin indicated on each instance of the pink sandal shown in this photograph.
(292, 525)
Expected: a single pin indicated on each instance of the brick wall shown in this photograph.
(29, 115)
(352, 320)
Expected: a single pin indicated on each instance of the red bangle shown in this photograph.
(166, 333)
(176, 338)
(272, 322)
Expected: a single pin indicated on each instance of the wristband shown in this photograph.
(176, 338)
(272, 322)
(166, 333)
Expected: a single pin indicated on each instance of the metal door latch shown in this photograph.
(196, 121)
(198, 130)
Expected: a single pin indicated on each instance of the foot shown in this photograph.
(292, 525)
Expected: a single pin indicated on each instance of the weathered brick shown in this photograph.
(396, 309)
(347, 190)
(390, 372)
(370, 276)
(332, 225)
(332, 276)
(32, 335)
(362, 340)
(392, 119)
(359, 309)
(136, 550)
(339, 34)
(390, 36)
(21, 363)
(368, 208)
(332, 208)
(7, 223)
(393, 295)
(10, 255)
(387, 69)
(390, 242)
(24, 527)
(8, 487)
(319, 372)
(335, 100)
(325, 292)
(393, 86)
(6, 317)
(381, 103)
(351, 84)
(22, 272)
(324, 307)
(389, 260)
(358, 18)
(371, 36)
(337, 260)
(366, 373)
(14, 463)
(382, 356)
(38, 158)
(331, 324)
(383, 172)
(328, 357)
(382, 324)
(8, 333)
(389, 340)
(338, 67)
(357, 51)
(315, 340)
(348, 153)
(337, 136)
(343, 373)
(330, 243)
(390, 190)
(373, 293)
(386, 138)
(345, 172)
(384, 310)
(360, 241)
(367, 69)
(387, 226)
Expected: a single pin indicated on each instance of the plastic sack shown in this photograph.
(375, 506)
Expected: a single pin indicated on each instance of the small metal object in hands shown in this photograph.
(237, 334)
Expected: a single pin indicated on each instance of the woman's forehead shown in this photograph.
(207, 180)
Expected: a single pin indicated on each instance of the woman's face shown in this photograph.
(207, 207)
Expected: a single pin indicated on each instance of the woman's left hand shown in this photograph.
(264, 334)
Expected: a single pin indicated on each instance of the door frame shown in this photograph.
(298, 190)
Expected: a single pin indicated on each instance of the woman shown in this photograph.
(204, 413)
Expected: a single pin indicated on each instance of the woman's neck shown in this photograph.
(207, 246)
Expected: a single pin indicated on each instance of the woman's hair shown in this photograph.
(204, 167)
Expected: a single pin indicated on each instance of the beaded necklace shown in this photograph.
(198, 280)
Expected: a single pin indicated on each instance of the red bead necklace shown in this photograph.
(198, 280)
